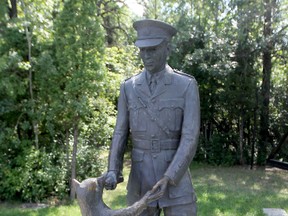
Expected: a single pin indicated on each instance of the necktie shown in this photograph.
(153, 83)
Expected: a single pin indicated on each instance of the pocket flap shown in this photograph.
(171, 103)
(135, 106)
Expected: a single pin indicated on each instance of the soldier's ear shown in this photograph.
(169, 48)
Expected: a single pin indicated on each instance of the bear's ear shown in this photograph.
(75, 183)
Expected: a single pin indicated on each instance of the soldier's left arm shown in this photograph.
(189, 135)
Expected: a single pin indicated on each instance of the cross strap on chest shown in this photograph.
(148, 109)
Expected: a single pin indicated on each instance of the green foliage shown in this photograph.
(68, 80)
(90, 161)
(114, 16)
(31, 174)
(42, 177)
(279, 109)
(122, 60)
(220, 149)
(79, 50)
(219, 43)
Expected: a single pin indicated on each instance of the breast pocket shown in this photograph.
(137, 117)
(171, 111)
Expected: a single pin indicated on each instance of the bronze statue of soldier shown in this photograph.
(160, 109)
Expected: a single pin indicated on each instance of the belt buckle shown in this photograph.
(155, 146)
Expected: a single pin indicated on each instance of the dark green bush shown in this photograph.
(216, 151)
(35, 176)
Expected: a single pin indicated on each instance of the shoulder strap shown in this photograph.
(183, 74)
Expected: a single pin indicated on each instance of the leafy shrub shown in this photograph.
(41, 178)
(34, 177)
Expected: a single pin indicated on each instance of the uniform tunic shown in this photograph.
(164, 128)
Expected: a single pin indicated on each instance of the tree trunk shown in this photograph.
(73, 164)
(29, 35)
(241, 137)
(266, 83)
(13, 13)
(67, 149)
(253, 136)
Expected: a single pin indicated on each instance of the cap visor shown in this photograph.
(148, 42)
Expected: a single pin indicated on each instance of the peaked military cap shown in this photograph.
(152, 32)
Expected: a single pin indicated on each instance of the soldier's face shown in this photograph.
(154, 58)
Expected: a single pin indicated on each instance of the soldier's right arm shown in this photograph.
(119, 141)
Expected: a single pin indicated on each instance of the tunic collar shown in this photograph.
(156, 76)
(165, 75)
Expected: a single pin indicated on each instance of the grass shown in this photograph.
(16, 210)
(239, 191)
(221, 191)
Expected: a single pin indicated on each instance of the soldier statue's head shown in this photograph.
(153, 39)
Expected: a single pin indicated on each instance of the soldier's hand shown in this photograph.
(159, 188)
(110, 180)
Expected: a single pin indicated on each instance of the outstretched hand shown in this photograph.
(159, 189)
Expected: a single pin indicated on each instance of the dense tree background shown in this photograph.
(61, 64)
